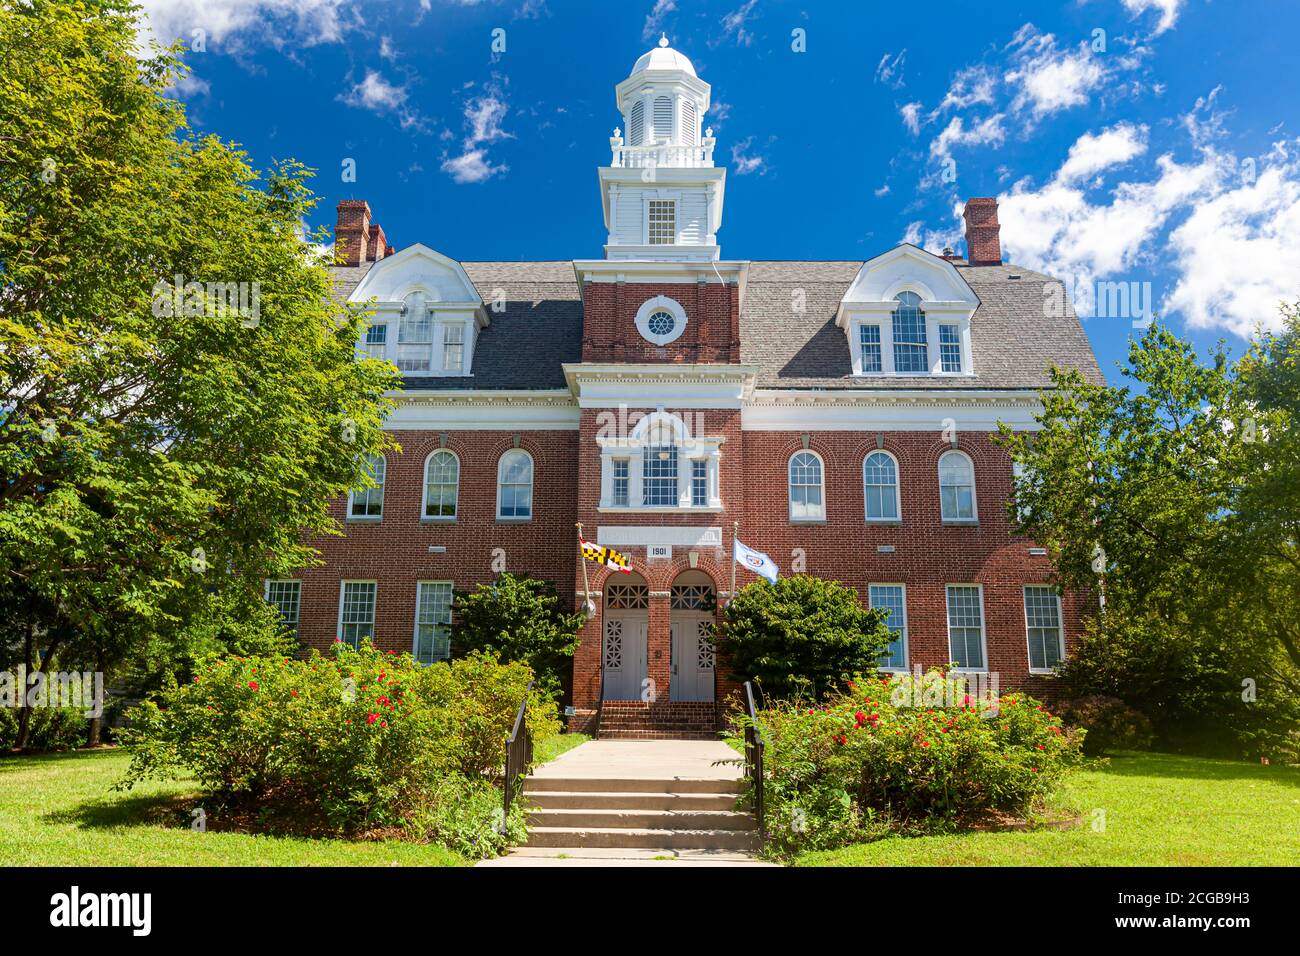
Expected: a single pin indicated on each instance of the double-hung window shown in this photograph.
(880, 486)
(415, 335)
(911, 349)
(620, 479)
(441, 484)
(659, 476)
(869, 341)
(285, 597)
(891, 598)
(699, 483)
(956, 487)
(453, 347)
(950, 348)
(432, 621)
(966, 626)
(376, 346)
(515, 486)
(806, 502)
(356, 611)
(368, 503)
(1043, 627)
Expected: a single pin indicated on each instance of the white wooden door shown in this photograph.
(623, 656)
(693, 658)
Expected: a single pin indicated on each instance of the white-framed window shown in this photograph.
(869, 342)
(356, 611)
(892, 598)
(699, 483)
(286, 597)
(376, 344)
(659, 476)
(911, 348)
(956, 487)
(1043, 627)
(441, 485)
(949, 348)
(661, 222)
(661, 320)
(453, 347)
(367, 504)
(880, 496)
(415, 335)
(966, 626)
(515, 485)
(432, 640)
(807, 498)
(620, 478)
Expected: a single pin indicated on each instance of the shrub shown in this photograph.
(520, 619)
(866, 762)
(52, 728)
(346, 743)
(802, 634)
(1111, 724)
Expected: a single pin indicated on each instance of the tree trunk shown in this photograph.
(24, 709)
(97, 723)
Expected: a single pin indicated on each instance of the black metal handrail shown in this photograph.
(519, 754)
(754, 757)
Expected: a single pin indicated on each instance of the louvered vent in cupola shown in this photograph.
(663, 119)
(688, 123)
(636, 128)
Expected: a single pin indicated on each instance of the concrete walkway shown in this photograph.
(640, 803)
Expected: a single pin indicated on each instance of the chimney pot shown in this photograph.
(983, 244)
(352, 231)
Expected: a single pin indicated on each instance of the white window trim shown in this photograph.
(415, 623)
(369, 519)
(789, 488)
(374, 607)
(661, 196)
(1060, 627)
(424, 490)
(984, 629)
(632, 447)
(898, 489)
(532, 487)
(936, 313)
(974, 490)
(661, 303)
(903, 587)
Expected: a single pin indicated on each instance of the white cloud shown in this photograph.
(483, 117)
(882, 191)
(375, 93)
(971, 86)
(1048, 79)
(386, 49)
(718, 112)
(890, 69)
(1169, 10)
(987, 132)
(471, 166)
(911, 113)
(931, 240)
(733, 24)
(277, 22)
(742, 164)
(1093, 152)
(655, 18)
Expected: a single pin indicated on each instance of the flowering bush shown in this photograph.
(349, 742)
(1111, 724)
(870, 761)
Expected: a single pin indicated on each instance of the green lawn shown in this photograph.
(550, 748)
(1160, 810)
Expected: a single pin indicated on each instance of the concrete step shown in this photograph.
(590, 837)
(642, 819)
(655, 735)
(596, 800)
(632, 785)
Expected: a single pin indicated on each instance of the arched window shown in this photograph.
(956, 487)
(515, 485)
(663, 118)
(806, 499)
(880, 486)
(911, 351)
(636, 124)
(415, 334)
(441, 484)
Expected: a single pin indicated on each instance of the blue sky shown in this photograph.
(1127, 140)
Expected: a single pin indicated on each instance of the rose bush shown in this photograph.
(353, 741)
(867, 762)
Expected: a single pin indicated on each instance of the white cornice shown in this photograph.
(645, 385)
(484, 409)
(662, 270)
(890, 410)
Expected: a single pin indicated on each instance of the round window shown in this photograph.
(661, 323)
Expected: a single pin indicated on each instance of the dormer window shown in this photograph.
(414, 335)
(950, 348)
(911, 351)
(376, 346)
(453, 347)
(869, 340)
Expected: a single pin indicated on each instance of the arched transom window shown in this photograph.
(441, 484)
(956, 487)
(911, 349)
(515, 486)
(880, 486)
(807, 502)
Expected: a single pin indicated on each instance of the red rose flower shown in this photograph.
(371, 718)
(252, 684)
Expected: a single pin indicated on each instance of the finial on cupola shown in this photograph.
(663, 39)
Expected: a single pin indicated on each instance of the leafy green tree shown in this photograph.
(802, 635)
(519, 619)
(180, 396)
(1179, 500)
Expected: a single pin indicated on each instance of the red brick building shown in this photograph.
(838, 414)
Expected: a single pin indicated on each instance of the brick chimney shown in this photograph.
(378, 247)
(983, 247)
(352, 232)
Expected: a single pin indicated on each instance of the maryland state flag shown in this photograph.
(606, 556)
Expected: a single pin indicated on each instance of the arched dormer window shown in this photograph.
(807, 498)
(911, 350)
(880, 487)
(441, 485)
(415, 334)
(515, 486)
(956, 487)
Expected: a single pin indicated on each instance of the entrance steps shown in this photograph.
(660, 720)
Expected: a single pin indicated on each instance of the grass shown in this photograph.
(57, 810)
(544, 751)
(1157, 810)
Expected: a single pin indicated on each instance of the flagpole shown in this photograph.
(586, 584)
(735, 530)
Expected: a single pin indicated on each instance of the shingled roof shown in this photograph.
(1013, 336)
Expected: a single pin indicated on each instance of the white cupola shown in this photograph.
(662, 195)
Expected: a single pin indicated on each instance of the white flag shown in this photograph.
(755, 561)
